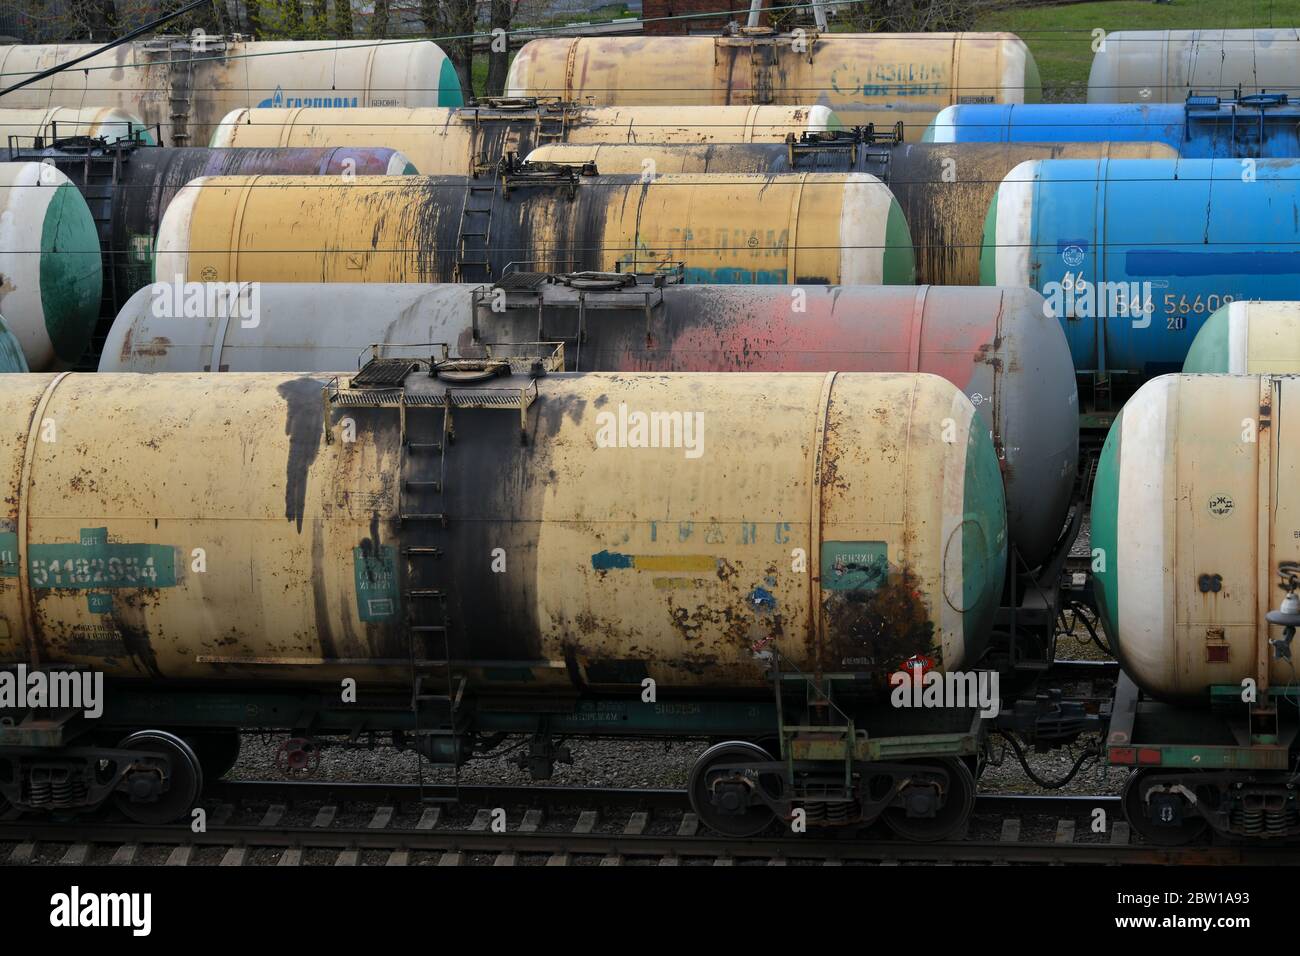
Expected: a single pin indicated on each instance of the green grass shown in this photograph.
(1060, 38)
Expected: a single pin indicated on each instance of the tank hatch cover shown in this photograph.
(523, 280)
(470, 370)
(384, 373)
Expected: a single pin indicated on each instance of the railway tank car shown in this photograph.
(1164, 66)
(131, 187)
(471, 140)
(943, 190)
(1193, 513)
(185, 86)
(23, 128)
(1248, 338)
(865, 78)
(1135, 255)
(1261, 125)
(1001, 347)
(554, 555)
(808, 227)
(50, 272)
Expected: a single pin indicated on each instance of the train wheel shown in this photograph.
(217, 751)
(948, 781)
(1141, 815)
(145, 804)
(721, 798)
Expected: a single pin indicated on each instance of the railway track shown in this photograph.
(262, 823)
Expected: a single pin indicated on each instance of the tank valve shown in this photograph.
(1287, 617)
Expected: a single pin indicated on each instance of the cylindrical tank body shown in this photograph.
(1255, 126)
(677, 557)
(943, 189)
(1191, 561)
(148, 179)
(188, 86)
(1134, 255)
(1248, 338)
(999, 346)
(463, 142)
(881, 78)
(1164, 66)
(22, 128)
(50, 272)
(742, 229)
(11, 353)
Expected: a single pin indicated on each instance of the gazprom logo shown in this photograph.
(275, 102)
(278, 100)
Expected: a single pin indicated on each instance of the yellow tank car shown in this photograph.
(474, 139)
(805, 227)
(880, 78)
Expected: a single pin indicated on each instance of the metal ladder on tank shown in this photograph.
(473, 263)
(425, 436)
(551, 128)
(823, 720)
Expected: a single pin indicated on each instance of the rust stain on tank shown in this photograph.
(878, 628)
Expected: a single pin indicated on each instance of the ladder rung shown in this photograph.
(427, 628)
(423, 517)
(422, 483)
(442, 697)
(425, 592)
(422, 552)
(424, 445)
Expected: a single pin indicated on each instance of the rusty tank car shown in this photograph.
(944, 190)
(131, 186)
(806, 227)
(1193, 511)
(1002, 347)
(186, 85)
(472, 140)
(601, 554)
(876, 78)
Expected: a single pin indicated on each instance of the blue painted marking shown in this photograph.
(1174, 262)
(762, 600)
(610, 560)
(731, 276)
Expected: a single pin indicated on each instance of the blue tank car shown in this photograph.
(1135, 255)
(1261, 125)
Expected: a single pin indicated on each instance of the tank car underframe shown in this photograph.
(903, 746)
(1228, 768)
